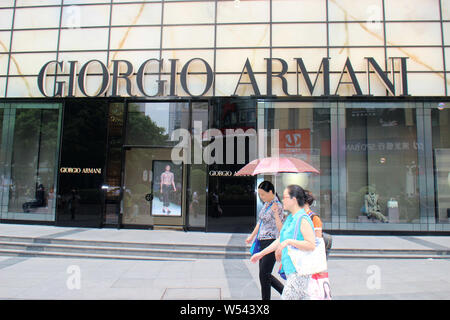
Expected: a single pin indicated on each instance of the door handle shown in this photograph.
(149, 197)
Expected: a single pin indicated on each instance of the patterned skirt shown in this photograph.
(296, 287)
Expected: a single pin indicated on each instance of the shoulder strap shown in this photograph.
(298, 224)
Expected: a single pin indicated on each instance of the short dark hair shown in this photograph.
(297, 192)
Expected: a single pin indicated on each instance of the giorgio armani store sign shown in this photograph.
(138, 114)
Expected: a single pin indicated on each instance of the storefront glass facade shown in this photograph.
(29, 158)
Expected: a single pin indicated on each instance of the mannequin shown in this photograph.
(372, 207)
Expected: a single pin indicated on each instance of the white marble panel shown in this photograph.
(299, 35)
(5, 38)
(234, 60)
(3, 64)
(24, 87)
(188, 37)
(2, 87)
(226, 84)
(85, 16)
(420, 59)
(417, 33)
(6, 3)
(356, 34)
(28, 63)
(37, 18)
(426, 84)
(357, 58)
(350, 10)
(35, 40)
(125, 1)
(82, 58)
(293, 11)
(411, 10)
(447, 59)
(136, 14)
(23, 3)
(445, 4)
(85, 1)
(245, 11)
(84, 39)
(135, 38)
(446, 31)
(312, 58)
(243, 36)
(192, 12)
(6, 18)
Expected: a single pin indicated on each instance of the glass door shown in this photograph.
(153, 188)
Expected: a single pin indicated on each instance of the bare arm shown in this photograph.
(273, 246)
(276, 213)
(253, 234)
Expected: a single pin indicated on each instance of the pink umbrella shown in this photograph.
(274, 165)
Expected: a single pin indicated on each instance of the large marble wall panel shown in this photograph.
(412, 10)
(46, 17)
(5, 38)
(6, 18)
(190, 12)
(356, 34)
(191, 37)
(244, 12)
(136, 14)
(413, 34)
(303, 34)
(135, 38)
(3, 64)
(25, 3)
(6, 3)
(350, 10)
(256, 35)
(84, 39)
(34, 40)
(296, 11)
(85, 16)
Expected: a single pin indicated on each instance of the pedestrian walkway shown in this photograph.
(24, 276)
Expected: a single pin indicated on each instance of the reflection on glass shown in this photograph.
(304, 133)
(197, 177)
(381, 154)
(440, 118)
(154, 123)
(33, 162)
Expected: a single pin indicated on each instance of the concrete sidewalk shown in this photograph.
(352, 242)
(218, 279)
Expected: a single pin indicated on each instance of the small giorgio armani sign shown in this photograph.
(110, 78)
